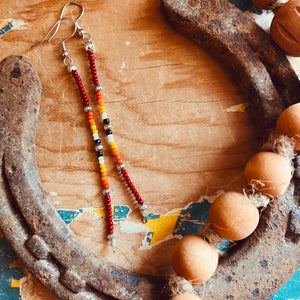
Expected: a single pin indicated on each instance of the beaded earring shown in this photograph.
(87, 108)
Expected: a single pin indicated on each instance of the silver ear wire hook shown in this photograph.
(68, 61)
(57, 24)
(76, 21)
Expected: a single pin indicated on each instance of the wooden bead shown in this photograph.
(185, 297)
(271, 170)
(232, 216)
(288, 123)
(285, 28)
(195, 259)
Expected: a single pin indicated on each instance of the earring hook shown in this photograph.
(62, 13)
(57, 25)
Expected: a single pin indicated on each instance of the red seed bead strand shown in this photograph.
(107, 128)
(98, 148)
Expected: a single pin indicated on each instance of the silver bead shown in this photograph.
(143, 207)
(81, 32)
(87, 108)
(89, 46)
(65, 53)
(71, 67)
(98, 88)
(98, 147)
(106, 192)
(120, 166)
(106, 127)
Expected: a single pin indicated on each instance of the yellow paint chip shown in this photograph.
(243, 107)
(238, 108)
(3, 23)
(100, 212)
(162, 227)
(15, 283)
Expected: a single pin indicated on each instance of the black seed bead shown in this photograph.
(99, 153)
(97, 142)
(108, 131)
(106, 121)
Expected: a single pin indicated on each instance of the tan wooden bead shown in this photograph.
(285, 28)
(270, 172)
(232, 216)
(288, 123)
(195, 259)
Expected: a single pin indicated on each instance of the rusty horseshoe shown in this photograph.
(52, 252)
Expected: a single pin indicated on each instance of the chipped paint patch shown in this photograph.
(242, 107)
(15, 283)
(69, 215)
(10, 24)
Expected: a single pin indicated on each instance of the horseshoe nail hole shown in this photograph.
(1, 91)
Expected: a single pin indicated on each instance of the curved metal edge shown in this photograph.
(268, 81)
(258, 66)
(59, 256)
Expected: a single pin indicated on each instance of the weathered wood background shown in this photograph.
(178, 120)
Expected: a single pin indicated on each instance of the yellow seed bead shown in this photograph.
(102, 109)
(113, 145)
(94, 127)
(95, 131)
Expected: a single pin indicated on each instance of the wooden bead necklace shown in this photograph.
(232, 216)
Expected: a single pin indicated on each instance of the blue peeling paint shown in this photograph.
(7, 274)
(69, 215)
(6, 28)
(192, 219)
(120, 213)
(291, 290)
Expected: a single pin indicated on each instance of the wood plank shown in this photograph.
(173, 109)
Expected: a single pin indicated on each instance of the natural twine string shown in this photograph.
(278, 143)
(210, 235)
(178, 285)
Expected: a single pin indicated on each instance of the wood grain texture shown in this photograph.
(167, 102)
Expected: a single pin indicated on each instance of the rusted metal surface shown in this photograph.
(259, 67)
(256, 268)
(49, 249)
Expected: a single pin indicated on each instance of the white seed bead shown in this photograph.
(110, 138)
(104, 116)
(101, 159)
(95, 136)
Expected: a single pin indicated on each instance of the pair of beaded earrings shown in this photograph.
(68, 62)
